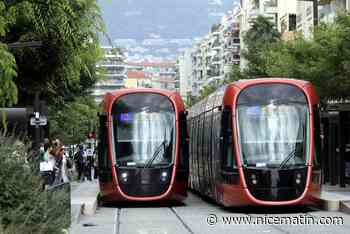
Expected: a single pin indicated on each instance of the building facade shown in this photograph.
(163, 75)
(113, 71)
(138, 79)
(327, 11)
(210, 61)
(250, 10)
(185, 74)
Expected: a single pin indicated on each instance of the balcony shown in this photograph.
(216, 60)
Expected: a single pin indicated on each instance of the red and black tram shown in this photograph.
(253, 142)
(143, 146)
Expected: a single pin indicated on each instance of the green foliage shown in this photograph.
(236, 74)
(64, 66)
(8, 89)
(207, 91)
(24, 207)
(257, 41)
(72, 122)
(325, 60)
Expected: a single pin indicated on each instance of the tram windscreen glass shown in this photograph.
(273, 125)
(144, 130)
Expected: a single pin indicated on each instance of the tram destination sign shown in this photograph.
(42, 121)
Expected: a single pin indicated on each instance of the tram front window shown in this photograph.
(273, 126)
(144, 130)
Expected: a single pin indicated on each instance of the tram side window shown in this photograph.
(317, 138)
(103, 143)
(228, 158)
(183, 141)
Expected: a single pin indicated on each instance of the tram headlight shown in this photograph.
(298, 178)
(254, 180)
(163, 176)
(125, 176)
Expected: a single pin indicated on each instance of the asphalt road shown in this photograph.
(201, 216)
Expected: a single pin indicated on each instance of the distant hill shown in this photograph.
(167, 19)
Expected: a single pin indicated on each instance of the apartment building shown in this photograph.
(327, 11)
(251, 9)
(149, 74)
(185, 74)
(113, 72)
(211, 58)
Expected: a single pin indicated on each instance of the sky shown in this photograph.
(159, 30)
(141, 19)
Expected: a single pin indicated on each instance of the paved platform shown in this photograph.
(83, 199)
(335, 198)
(195, 216)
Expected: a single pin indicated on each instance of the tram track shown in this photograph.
(118, 217)
(181, 220)
(117, 221)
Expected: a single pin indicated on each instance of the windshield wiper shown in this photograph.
(289, 157)
(155, 154)
(158, 150)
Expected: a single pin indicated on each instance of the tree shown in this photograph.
(64, 66)
(325, 60)
(236, 74)
(74, 120)
(8, 89)
(24, 206)
(257, 40)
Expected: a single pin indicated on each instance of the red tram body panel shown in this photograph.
(133, 166)
(252, 142)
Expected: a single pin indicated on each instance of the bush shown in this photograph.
(24, 206)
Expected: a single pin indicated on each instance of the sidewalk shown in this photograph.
(335, 198)
(83, 199)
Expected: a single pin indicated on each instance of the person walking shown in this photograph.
(47, 165)
(64, 167)
(88, 164)
(79, 162)
(58, 152)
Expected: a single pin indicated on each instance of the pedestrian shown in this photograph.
(79, 162)
(47, 165)
(64, 166)
(88, 165)
(57, 152)
(96, 168)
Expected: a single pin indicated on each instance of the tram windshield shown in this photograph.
(273, 126)
(144, 130)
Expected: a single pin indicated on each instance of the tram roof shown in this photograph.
(142, 90)
(248, 82)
